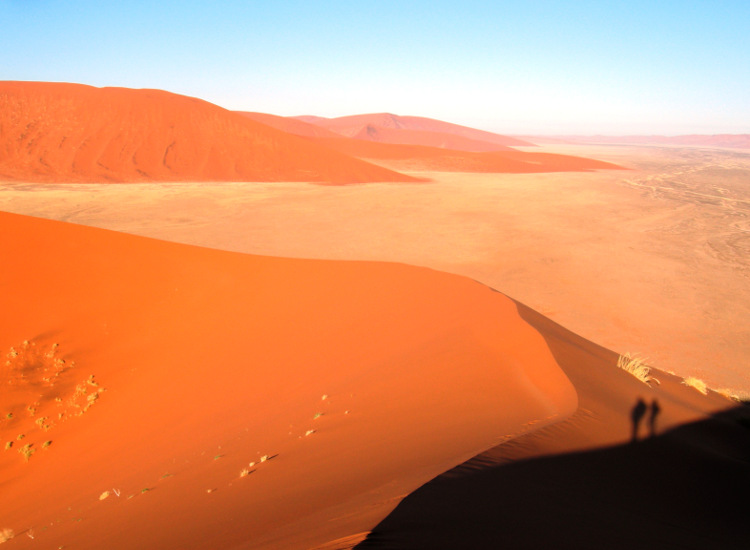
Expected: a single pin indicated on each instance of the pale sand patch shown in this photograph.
(653, 261)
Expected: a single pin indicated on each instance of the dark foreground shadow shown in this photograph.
(685, 488)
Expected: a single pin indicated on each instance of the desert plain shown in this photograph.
(425, 362)
(654, 260)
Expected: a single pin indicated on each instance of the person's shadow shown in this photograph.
(636, 415)
(639, 411)
(654, 411)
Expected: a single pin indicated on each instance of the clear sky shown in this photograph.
(521, 66)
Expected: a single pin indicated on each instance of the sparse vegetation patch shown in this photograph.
(41, 371)
(6, 535)
(637, 367)
(696, 383)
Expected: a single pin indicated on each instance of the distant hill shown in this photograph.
(402, 149)
(59, 132)
(412, 130)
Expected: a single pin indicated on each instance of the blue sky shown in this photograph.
(624, 67)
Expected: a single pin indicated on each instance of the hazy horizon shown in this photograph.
(547, 68)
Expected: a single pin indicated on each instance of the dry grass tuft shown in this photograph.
(740, 396)
(637, 367)
(696, 383)
(6, 535)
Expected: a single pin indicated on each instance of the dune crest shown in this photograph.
(59, 132)
(305, 397)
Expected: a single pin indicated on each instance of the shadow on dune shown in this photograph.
(685, 488)
(565, 487)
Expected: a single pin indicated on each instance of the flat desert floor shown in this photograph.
(653, 261)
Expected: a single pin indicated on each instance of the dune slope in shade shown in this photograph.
(671, 472)
(57, 132)
(347, 385)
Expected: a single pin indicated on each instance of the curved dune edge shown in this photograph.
(348, 384)
(597, 478)
(61, 132)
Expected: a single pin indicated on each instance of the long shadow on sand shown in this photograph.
(685, 488)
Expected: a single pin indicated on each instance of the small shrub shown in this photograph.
(696, 383)
(26, 451)
(637, 367)
(6, 535)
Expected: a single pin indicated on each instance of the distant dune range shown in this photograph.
(158, 395)
(422, 144)
(413, 130)
(727, 141)
(55, 132)
(59, 132)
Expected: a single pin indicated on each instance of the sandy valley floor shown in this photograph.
(655, 260)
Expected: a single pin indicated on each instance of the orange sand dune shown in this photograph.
(55, 132)
(615, 475)
(158, 395)
(382, 134)
(423, 158)
(357, 126)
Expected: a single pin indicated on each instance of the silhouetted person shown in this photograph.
(639, 410)
(654, 411)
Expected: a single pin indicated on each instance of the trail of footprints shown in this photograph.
(42, 382)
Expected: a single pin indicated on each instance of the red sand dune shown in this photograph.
(159, 372)
(55, 132)
(423, 158)
(415, 130)
(382, 134)
(729, 141)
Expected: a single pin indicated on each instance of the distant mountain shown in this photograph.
(59, 132)
(412, 130)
